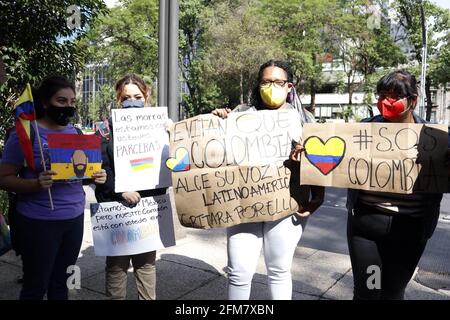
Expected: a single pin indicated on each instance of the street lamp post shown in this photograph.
(173, 87)
(163, 48)
(168, 88)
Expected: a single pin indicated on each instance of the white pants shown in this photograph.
(279, 240)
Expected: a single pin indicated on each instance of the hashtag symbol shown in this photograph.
(363, 139)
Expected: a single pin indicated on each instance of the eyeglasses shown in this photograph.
(276, 83)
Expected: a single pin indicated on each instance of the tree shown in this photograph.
(377, 52)
(126, 39)
(364, 46)
(304, 28)
(203, 94)
(38, 38)
(438, 21)
(440, 65)
(238, 42)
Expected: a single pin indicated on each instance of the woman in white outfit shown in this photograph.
(274, 90)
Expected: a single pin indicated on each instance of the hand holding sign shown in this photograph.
(386, 157)
(296, 152)
(99, 176)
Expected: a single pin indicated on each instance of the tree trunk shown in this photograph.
(350, 97)
(429, 106)
(350, 89)
(312, 106)
(241, 88)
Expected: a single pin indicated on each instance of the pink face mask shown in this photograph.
(391, 108)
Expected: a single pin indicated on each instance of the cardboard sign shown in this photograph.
(141, 148)
(388, 157)
(227, 172)
(120, 230)
(74, 156)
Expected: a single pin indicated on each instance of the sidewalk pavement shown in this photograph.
(194, 269)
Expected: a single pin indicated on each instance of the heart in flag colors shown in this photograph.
(181, 162)
(324, 156)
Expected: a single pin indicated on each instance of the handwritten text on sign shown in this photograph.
(388, 157)
(141, 147)
(121, 230)
(227, 172)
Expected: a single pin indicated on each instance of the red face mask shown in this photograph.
(391, 108)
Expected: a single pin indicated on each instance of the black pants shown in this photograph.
(48, 248)
(388, 245)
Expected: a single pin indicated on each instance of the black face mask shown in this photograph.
(132, 104)
(60, 115)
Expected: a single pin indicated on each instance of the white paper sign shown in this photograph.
(141, 148)
(120, 230)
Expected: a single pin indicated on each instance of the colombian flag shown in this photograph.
(71, 151)
(24, 114)
(140, 164)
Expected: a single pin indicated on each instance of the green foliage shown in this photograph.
(440, 65)
(239, 41)
(437, 20)
(36, 40)
(203, 93)
(304, 31)
(126, 39)
(222, 44)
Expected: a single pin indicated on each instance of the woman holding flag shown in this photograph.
(48, 215)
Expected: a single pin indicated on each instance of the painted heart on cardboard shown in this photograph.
(324, 156)
(181, 162)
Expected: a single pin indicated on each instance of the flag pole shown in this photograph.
(43, 161)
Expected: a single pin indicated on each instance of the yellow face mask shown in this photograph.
(273, 97)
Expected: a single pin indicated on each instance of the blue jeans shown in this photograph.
(48, 248)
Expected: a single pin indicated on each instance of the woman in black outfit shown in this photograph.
(388, 232)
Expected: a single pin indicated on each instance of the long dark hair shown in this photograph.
(256, 96)
(48, 87)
